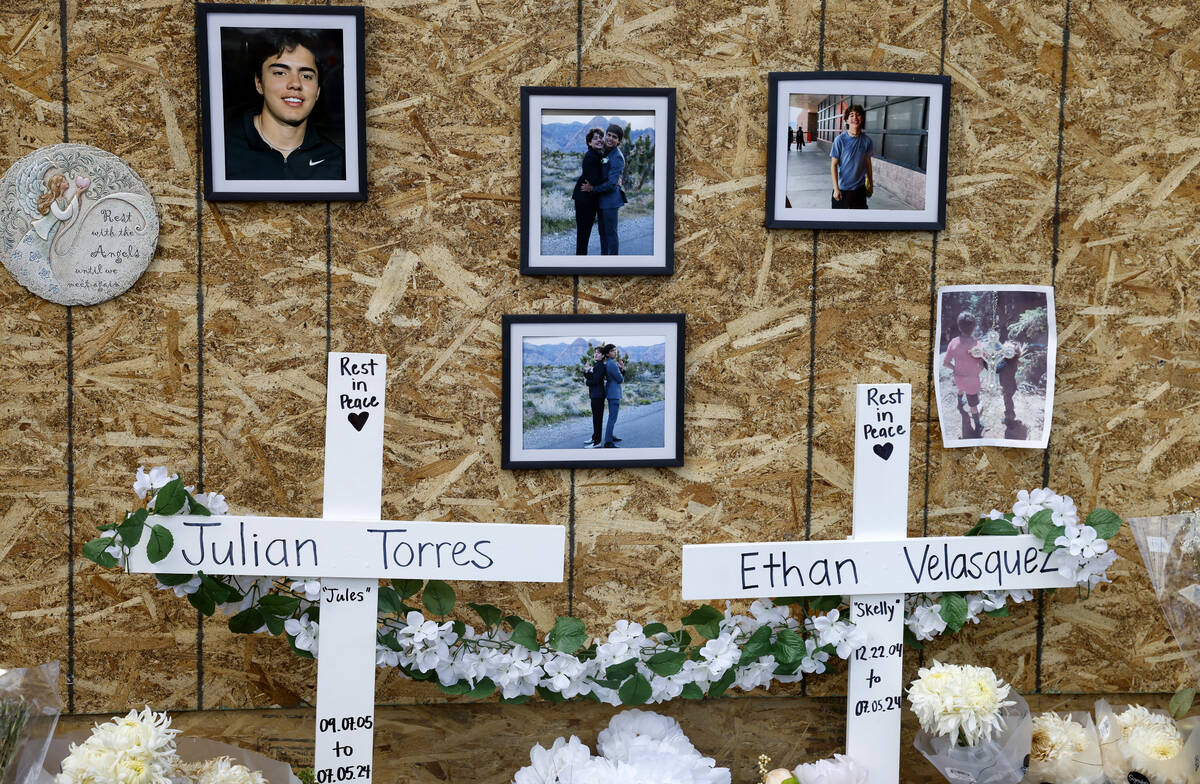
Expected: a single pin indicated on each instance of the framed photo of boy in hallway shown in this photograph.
(597, 181)
(592, 391)
(283, 102)
(994, 365)
(857, 150)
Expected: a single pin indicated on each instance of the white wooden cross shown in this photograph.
(350, 548)
(875, 568)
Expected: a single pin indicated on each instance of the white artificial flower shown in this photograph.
(926, 621)
(719, 654)
(633, 724)
(220, 770)
(756, 674)
(306, 633)
(959, 701)
(767, 613)
(1030, 502)
(814, 659)
(214, 502)
(309, 586)
(828, 629)
(145, 482)
(565, 674)
(251, 587)
(839, 769)
(1081, 541)
(545, 765)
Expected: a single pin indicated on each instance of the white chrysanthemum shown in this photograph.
(956, 700)
(840, 769)
(220, 770)
(1152, 736)
(1057, 736)
(138, 748)
(630, 726)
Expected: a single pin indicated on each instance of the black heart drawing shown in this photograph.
(360, 419)
(883, 450)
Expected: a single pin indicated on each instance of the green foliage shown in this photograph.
(438, 597)
(954, 610)
(1042, 526)
(1181, 702)
(705, 620)
(568, 635)
(1105, 522)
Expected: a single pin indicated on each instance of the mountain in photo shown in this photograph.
(569, 137)
(569, 352)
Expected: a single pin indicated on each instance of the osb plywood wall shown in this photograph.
(1073, 144)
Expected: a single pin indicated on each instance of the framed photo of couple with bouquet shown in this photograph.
(597, 181)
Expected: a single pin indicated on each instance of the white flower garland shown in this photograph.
(632, 664)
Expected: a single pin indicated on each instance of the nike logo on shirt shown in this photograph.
(314, 163)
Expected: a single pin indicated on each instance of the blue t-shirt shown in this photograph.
(852, 153)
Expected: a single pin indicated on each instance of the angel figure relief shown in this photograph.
(81, 245)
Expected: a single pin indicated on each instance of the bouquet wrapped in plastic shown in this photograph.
(1142, 745)
(974, 728)
(29, 710)
(1170, 546)
(1065, 750)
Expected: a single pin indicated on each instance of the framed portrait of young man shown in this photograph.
(283, 102)
(597, 181)
(857, 150)
(589, 391)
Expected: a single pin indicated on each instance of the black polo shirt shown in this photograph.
(248, 157)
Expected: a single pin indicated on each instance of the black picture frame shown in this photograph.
(909, 191)
(542, 361)
(549, 175)
(227, 40)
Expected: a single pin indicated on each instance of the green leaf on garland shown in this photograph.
(389, 601)
(824, 603)
(681, 639)
(407, 588)
(520, 699)
(621, 670)
(635, 691)
(568, 634)
(170, 499)
(1001, 612)
(248, 621)
(954, 610)
(513, 620)
(667, 663)
(95, 550)
(274, 625)
(692, 692)
(525, 634)
(1041, 524)
(131, 529)
(171, 580)
(438, 597)
(758, 645)
(652, 629)
(784, 601)
(911, 640)
(203, 602)
(1105, 522)
(160, 543)
(788, 647)
(552, 697)
(219, 591)
(997, 528)
(1181, 702)
(786, 669)
(279, 605)
(462, 687)
(718, 688)
(1055, 532)
(486, 687)
(975, 529)
(490, 614)
(705, 620)
(111, 526)
(389, 641)
(459, 628)
(197, 508)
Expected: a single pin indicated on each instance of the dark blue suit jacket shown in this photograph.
(609, 194)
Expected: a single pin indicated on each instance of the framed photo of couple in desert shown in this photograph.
(857, 150)
(597, 181)
(994, 365)
(282, 91)
(592, 391)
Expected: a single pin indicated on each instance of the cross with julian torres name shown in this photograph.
(875, 568)
(351, 549)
